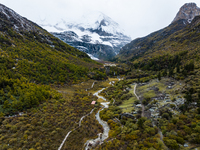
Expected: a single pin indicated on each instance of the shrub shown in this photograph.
(172, 105)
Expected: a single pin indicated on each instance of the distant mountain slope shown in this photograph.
(95, 33)
(158, 41)
(25, 42)
(31, 58)
(151, 42)
(182, 46)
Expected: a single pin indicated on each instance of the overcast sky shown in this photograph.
(137, 17)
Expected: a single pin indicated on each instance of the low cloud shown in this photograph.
(137, 18)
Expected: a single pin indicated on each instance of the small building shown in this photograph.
(93, 102)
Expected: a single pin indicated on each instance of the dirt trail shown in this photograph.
(139, 99)
(90, 144)
(61, 145)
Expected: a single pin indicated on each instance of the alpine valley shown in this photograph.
(94, 33)
(54, 96)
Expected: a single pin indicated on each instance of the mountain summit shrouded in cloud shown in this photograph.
(92, 20)
(134, 17)
(94, 33)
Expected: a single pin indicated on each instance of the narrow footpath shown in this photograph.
(139, 99)
(61, 145)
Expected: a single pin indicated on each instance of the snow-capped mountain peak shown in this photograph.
(97, 21)
(91, 21)
(94, 33)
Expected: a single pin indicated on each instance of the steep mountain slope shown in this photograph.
(151, 42)
(30, 57)
(182, 47)
(160, 40)
(95, 33)
(23, 40)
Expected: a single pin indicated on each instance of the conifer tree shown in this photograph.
(178, 68)
(159, 76)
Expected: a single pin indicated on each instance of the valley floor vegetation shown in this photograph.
(171, 113)
(46, 87)
(171, 110)
(45, 127)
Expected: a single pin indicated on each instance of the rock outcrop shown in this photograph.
(187, 12)
(15, 21)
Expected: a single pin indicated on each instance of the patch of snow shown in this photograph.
(82, 47)
(92, 57)
(92, 20)
(189, 20)
(107, 43)
(5, 14)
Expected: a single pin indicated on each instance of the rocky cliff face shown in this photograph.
(84, 43)
(187, 12)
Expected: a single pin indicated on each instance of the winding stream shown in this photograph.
(101, 136)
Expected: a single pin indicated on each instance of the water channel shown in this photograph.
(101, 136)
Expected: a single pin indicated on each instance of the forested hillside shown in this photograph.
(32, 59)
(165, 67)
(177, 57)
(154, 41)
(52, 93)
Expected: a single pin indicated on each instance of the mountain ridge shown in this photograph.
(19, 22)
